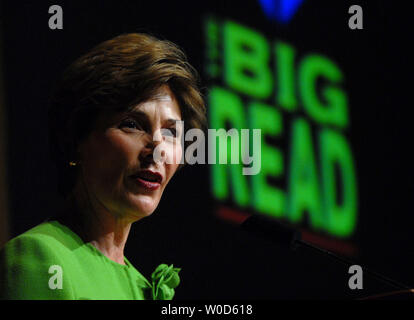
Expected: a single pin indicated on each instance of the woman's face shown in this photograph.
(117, 164)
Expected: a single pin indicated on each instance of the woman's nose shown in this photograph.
(153, 151)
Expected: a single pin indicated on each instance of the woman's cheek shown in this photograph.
(176, 153)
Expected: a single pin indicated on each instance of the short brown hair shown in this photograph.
(116, 75)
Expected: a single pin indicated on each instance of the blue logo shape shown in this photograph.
(280, 10)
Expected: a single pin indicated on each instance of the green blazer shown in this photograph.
(52, 262)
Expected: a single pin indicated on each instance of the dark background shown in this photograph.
(218, 259)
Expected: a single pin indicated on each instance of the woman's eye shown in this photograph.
(172, 132)
(130, 124)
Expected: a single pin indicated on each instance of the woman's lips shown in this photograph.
(149, 185)
(148, 179)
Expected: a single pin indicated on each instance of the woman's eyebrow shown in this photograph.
(172, 121)
(143, 115)
(138, 114)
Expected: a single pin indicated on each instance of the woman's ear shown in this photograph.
(79, 150)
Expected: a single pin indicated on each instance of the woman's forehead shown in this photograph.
(163, 93)
(163, 101)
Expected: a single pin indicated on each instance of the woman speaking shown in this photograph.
(114, 106)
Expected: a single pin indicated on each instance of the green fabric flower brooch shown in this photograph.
(164, 280)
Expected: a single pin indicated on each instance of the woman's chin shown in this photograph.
(142, 205)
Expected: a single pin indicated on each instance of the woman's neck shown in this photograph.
(96, 225)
